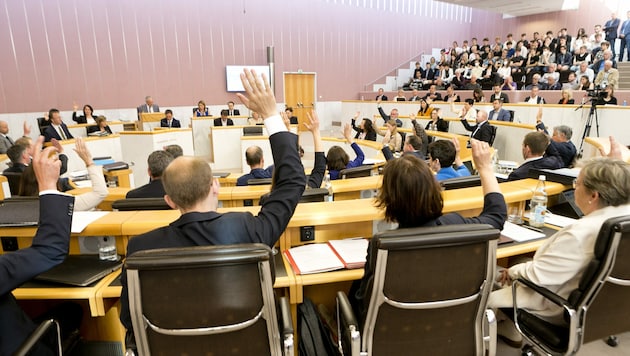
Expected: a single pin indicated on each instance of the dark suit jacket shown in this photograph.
(387, 117)
(504, 115)
(95, 128)
(483, 134)
(174, 123)
(16, 168)
(371, 136)
(217, 122)
(441, 125)
(539, 100)
(49, 248)
(383, 97)
(387, 153)
(546, 162)
(212, 228)
(50, 132)
(153, 189)
(236, 112)
(79, 119)
(502, 96)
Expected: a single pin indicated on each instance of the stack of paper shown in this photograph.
(520, 234)
(351, 252)
(334, 255)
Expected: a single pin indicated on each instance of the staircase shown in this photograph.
(624, 75)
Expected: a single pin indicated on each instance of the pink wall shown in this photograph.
(112, 53)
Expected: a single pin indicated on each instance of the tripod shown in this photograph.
(589, 123)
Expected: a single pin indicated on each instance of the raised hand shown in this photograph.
(259, 96)
(46, 165)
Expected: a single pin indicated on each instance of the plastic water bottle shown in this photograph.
(107, 249)
(495, 160)
(538, 204)
(625, 103)
(328, 187)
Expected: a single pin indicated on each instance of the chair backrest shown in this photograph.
(259, 181)
(604, 316)
(252, 131)
(460, 182)
(131, 204)
(494, 134)
(356, 172)
(194, 300)
(511, 115)
(430, 290)
(14, 179)
(314, 195)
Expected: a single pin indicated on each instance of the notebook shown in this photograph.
(80, 270)
(19, 212)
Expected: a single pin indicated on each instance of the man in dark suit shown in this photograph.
(611, 27)
(415, 96)
(231, 110)
(381, 96)
(200, 224)
(256, 162)
(482, 131)
(149, 106)
(293, 120)
(534, 146)
(49, 248)
(534, 98)
(157, 162)
(19, 157)
(169, 120)
(498, 94)
(561, 142)
(498, 113)
(223, 120)
(413, 146)
(57, 129)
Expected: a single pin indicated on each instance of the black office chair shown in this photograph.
(356, 172)
(259, 181)
(494, 135)
(461, 182)
(132, 204)
(207, 300)
(429, 294)
(14, 179)
(511, 115)
(607, 317)
(38, 334)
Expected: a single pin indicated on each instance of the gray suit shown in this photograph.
(145, 108)
(5, 143)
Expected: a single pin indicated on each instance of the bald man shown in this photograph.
(256, 162)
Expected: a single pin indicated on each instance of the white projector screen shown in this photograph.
(233, 76)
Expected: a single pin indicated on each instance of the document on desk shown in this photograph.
(520, 234)
(313, 258)
(351, 252)
(81, 219)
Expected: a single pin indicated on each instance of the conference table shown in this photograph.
(331, 220)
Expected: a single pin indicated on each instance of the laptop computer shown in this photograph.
(80, 270)
(19, 212)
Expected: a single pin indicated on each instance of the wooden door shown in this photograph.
(300, 94)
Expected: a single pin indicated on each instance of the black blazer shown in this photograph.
(441, 125)
(174, 123)
(371, 136)
(483, 134)
(503, 97)
(236, 112)
(212, 228)
(217, 122)
(546, 162)
(79, 119)
(95, 128)
(50, 133)
(153, 189)
(49, 248)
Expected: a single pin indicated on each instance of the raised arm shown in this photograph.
(89, 200)
(319, 167)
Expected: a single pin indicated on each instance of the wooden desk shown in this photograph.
(122, 176)
(346, 189)
(112, 195)
(5, 192)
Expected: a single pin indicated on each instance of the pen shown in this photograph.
(532, 228)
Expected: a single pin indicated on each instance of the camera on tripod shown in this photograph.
(595, 93)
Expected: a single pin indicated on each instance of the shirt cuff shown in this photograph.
(53, 191)
(274, 124)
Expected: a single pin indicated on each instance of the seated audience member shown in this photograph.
(419, 131)
(442, 155)
(5, 140)
(231, 110)
(101, 127)
(498, 94)
(437, 123)
(174, 150)
(292, 119)
(584, 84)
(535, 82)
(157, 163)
(467, 111)
(561, 141)
(509, 84)
(498, 113)
(365, 131)
(567, 97)
(534, 146)
(256, 162)
(169, 120)
(451, 96)
(224, 120)
(414, 95)
(433, 94)
(473, 85)
(191, 189)
(83, 202)
(564, 59)
(552, 84)
(49, 249)
(607, 96)
(87, 117)
(393, 115)
(149, 106)
(412, 197)
(602, 191)
(381, 95)
(534, 98)
(572, 82)
(338, 159)
(57, 129)
(551, 73)
(19, 157)
(201, 109)
(391, 136)
(585, 71)
(413, 146)
(482, 130)
(425, 108)
(607, 76)
(255, 119)
(400, 96)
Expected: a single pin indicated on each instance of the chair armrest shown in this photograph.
(347, 327)
(37, 334)
(553, 297)
(285, 315)
(345, 310)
